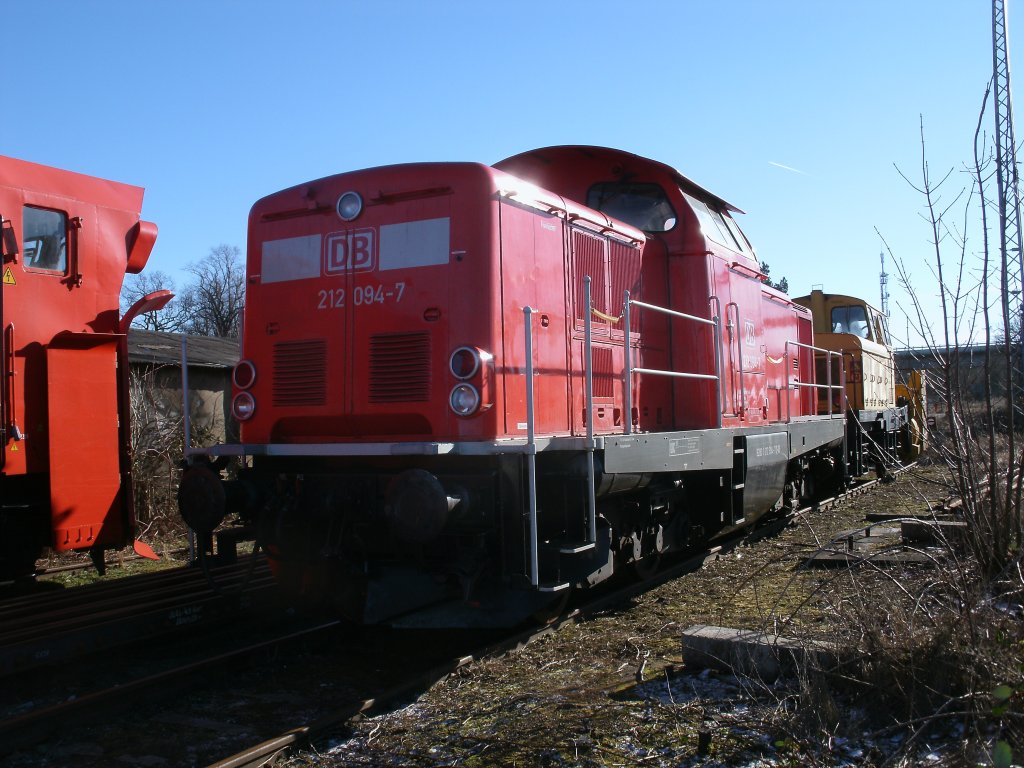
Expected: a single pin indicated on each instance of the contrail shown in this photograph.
(786, 167)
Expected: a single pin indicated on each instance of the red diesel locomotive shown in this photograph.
(465, 390)
(67, 242)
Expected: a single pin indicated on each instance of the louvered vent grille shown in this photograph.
(588, 255)
(300, 373)
(625, 267)
(604, 384)
(400, 368)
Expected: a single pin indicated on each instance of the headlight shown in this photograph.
(349, 206)
(464, 363)
(244, 374)
(464, 399)
(243, 406)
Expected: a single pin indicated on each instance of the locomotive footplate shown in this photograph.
(710, 449)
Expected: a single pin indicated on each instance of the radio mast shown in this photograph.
(883, 285)
(1011, 257)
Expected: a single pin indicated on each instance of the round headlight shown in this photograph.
(464, 399)
(349, 206)
(464, 363)
(243, 406)
(244, 374)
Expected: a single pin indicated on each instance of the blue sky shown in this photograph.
(794, 111)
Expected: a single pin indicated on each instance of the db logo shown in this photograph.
(350, 252)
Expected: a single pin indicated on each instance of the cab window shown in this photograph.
(44, 239)
(882, 330)
(851, 320)
(644, 206)
(713, 224)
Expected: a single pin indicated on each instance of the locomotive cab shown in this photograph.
(65, 471)
(882, 431)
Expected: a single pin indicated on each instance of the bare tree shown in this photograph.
(215, 299)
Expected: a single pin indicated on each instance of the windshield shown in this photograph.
(851, 319)
(645, 206)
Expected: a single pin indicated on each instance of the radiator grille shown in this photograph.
(604, 384)
(300, 373)
(625, 268)
(400, 368)
(588, 256)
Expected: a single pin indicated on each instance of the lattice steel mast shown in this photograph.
(1012, 259)
(883, 285)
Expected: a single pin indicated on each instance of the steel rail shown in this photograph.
(267, 752)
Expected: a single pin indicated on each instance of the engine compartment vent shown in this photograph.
(400, 368)
(300, 373)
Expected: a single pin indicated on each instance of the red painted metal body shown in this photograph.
(450, 261)
(414, 395)
(68, 240)
(362, 354)
(697, 268)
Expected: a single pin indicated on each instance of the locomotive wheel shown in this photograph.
(646, 567)
(549, 613)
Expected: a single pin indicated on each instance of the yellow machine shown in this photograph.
(912, 390)
(887, 419)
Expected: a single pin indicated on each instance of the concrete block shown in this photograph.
(753, 654)
(935, 533)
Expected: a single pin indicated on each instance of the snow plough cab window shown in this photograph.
(645, 206)
(44, 233)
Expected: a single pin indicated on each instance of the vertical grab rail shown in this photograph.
(719, 357)
(186, 417)
(827, 386)
(531, 449)
(628, 304)
(589, 379)
(627, 399)
(742, 410)
(186, 424)
(10, 372)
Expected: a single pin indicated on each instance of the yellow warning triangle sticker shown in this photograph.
(9, 277)
(14, 447)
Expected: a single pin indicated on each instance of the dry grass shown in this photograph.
(915, 685)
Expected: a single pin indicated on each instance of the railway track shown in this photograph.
(268, 751)
(365, 670)
(51, 627)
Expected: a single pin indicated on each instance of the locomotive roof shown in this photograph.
(392, 179)
(837, 296)
(21, 174)
(621, 163)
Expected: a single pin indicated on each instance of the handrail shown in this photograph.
(605, 228)
(531, 448)
(628, 303)
(741, 411)
(828, 379)
(10, 371)
(3, 379)
(589, 379)
(186, 418)
(719, 357)
(739, 266)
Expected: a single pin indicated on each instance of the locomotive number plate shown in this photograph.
(360, 296)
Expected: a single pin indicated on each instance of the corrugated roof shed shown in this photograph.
(160, 348)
